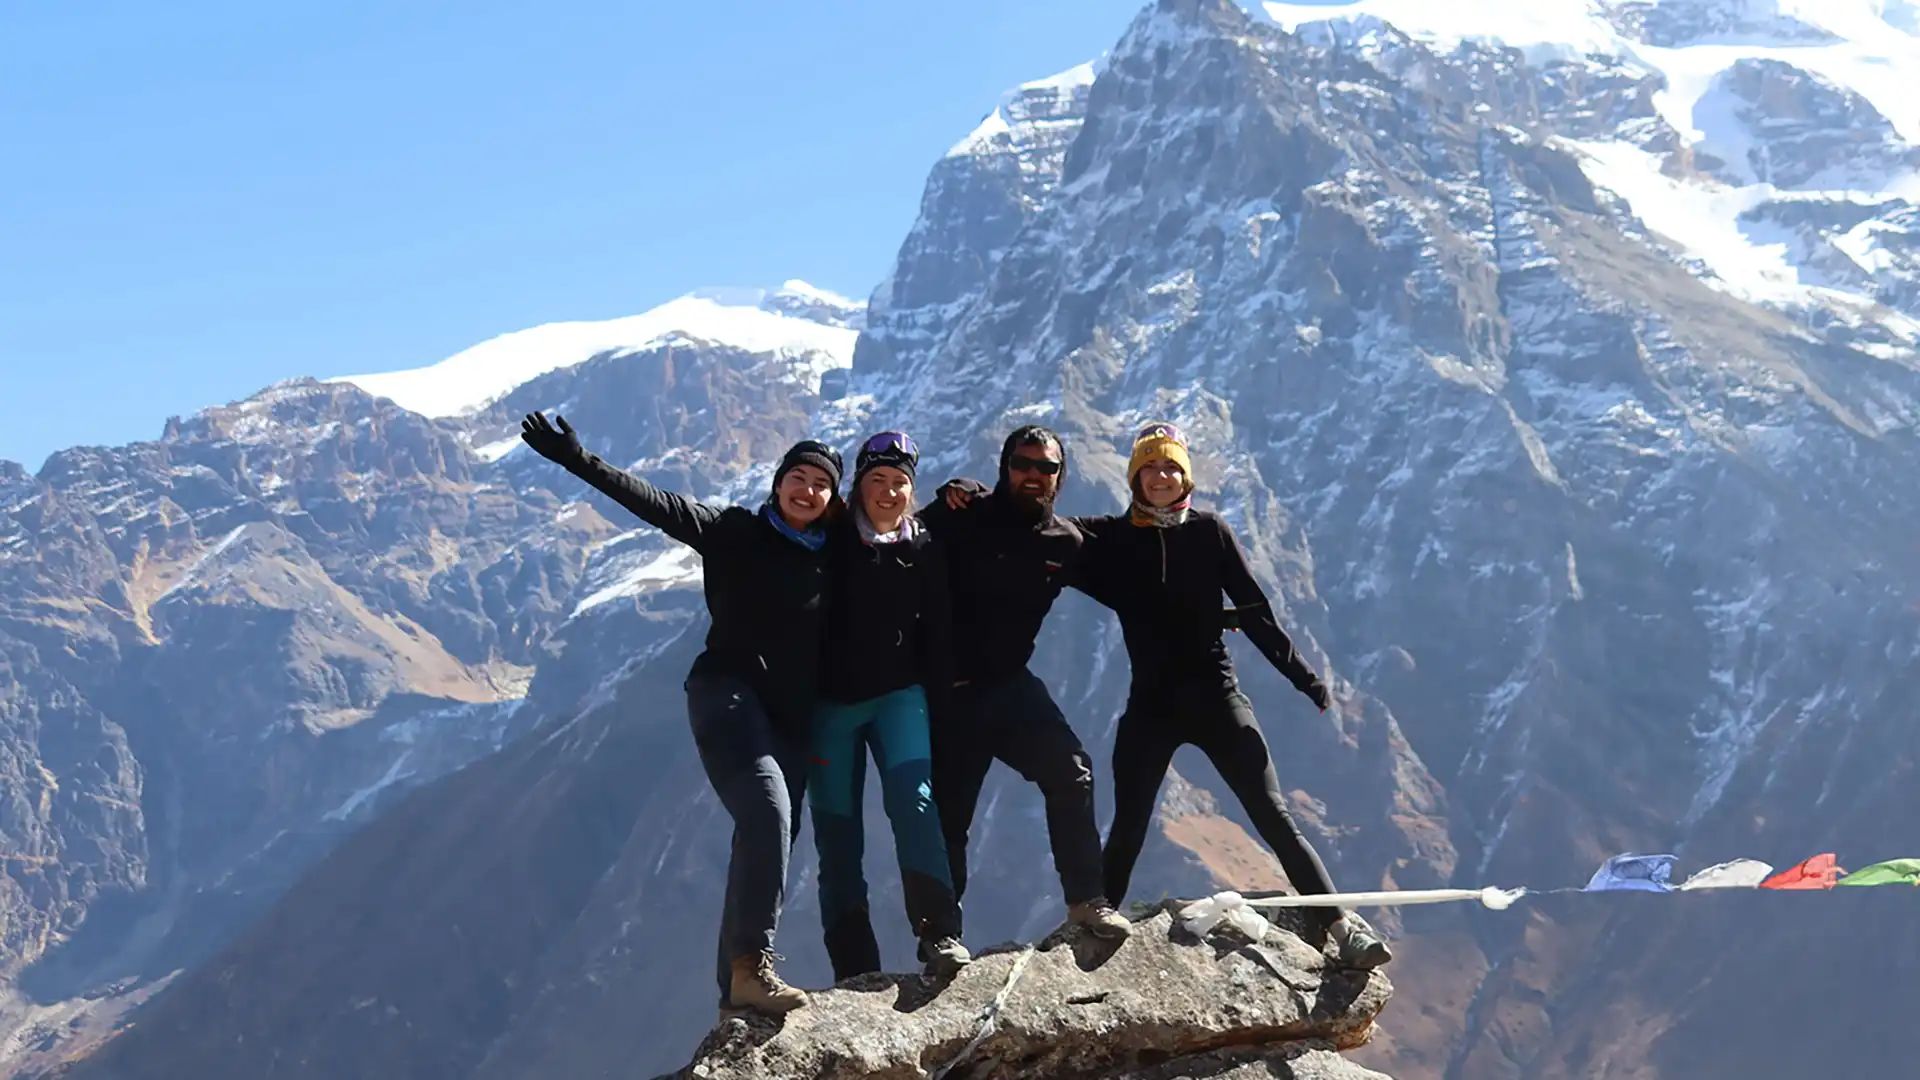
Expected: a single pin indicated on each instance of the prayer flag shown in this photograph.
(1738, 874)
(1641, 873)
(1892, 872)
(1818, 872)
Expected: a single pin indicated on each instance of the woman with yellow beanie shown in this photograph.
(1162, 567)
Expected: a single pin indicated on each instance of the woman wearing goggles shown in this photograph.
(887, 665)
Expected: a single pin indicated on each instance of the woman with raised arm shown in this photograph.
(888, 666)
(1162, 567)
(751, 693)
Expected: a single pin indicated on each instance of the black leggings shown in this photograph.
(1220, 722)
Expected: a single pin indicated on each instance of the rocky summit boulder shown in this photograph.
(1162, 1005)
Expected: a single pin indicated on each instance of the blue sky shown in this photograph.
(201, 198)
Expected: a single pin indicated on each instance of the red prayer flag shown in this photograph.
(1819, 872)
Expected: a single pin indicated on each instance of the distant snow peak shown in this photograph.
(794, 297)
(796, 321)
(1032, 106)
(1864, 46)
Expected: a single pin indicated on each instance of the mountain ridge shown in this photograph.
(1599, 553)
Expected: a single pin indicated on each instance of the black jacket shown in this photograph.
(765, 592)
(889, 622)
(1005, 570)
(1165, 585)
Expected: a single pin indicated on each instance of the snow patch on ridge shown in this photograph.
(677, 565)
(738, 318)
(1703, 221)
(1016, 110)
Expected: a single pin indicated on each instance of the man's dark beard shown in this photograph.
(1030, 507)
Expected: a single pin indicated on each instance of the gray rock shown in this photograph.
(1299, 1063)
(1071, 1007)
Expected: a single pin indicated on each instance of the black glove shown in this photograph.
(555, 444)
(959, 493)
(1317, 690)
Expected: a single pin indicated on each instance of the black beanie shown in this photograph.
(808, 452)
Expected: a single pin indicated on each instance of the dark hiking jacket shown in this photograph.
(766, 593)
(889, 618)
(1165, 584)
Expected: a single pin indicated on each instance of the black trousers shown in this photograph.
(760, 773)
(1015, 720)
(1220, 721)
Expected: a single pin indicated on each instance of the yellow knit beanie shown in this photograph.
(1159, 441)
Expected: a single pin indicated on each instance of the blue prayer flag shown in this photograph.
(1641, 873)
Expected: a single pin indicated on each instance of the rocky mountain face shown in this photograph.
(1569, 427)
(226, 648)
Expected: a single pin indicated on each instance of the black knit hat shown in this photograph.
(891, 448)
(808, 452)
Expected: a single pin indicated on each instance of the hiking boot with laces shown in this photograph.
(757, 986)
(1360, 947)
(944, 956)
(1100, 919)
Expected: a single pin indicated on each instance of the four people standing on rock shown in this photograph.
(836, 632)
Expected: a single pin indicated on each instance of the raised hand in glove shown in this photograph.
(550, 442)
(1317, 690)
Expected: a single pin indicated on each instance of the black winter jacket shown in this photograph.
(889, 620)
(765, 592)
(1005, 570)
(1165, 585)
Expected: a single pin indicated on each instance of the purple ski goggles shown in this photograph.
(891, 442)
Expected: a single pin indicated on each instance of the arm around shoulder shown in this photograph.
(939, 513)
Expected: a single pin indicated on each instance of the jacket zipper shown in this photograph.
(1163, 555)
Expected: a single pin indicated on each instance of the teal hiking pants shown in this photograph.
(894, 728)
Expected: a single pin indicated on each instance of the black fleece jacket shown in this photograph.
(1165, 585)
(765, 592)
(1006, 569)
(889, 620)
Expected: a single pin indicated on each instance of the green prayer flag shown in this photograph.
(1891, 872)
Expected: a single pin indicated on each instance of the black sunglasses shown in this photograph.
(1023, 463)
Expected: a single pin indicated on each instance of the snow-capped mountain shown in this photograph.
(1555, 362)
(1781, 148)
(809, 328)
